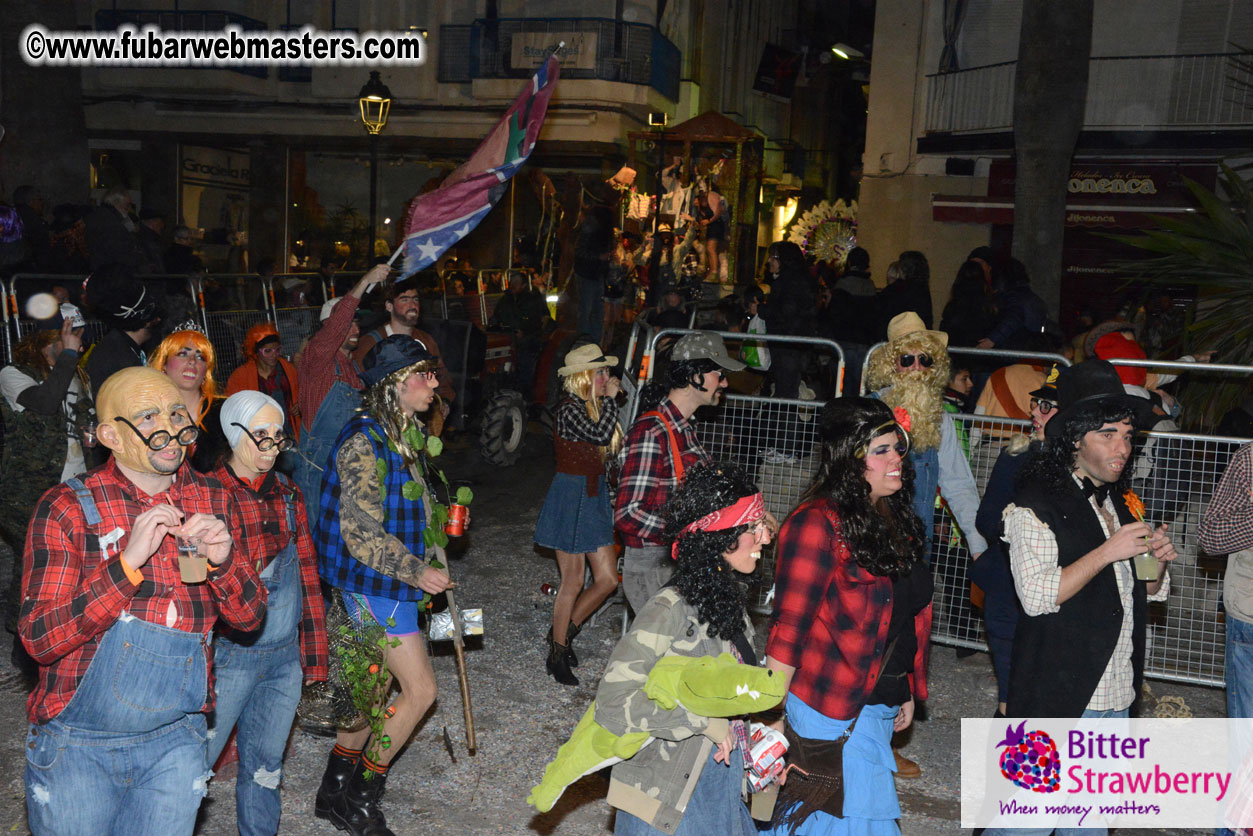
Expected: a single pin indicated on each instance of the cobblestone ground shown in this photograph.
(521, 715)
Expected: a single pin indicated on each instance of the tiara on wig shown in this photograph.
(188, 324)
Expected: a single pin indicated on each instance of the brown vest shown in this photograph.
(579, 458)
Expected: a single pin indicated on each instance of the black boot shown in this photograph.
(334, 779)
(357, 810)
(557, 665)
(571, 632)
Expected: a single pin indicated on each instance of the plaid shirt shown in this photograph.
(72, 593)
(1227, 525)
(574, 424)
(263, 533)
(831, 616)
(648, 475)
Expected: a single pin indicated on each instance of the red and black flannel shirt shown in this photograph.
(648, 474)
(72, 592)
(831, 616)
(262, 534)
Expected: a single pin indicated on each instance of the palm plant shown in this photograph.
(1211, 250)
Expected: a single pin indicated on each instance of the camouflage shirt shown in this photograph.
(657, 783)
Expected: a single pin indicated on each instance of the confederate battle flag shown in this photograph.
(439, 219)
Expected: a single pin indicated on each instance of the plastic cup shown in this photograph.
(1145, 566)
(89, 434)
(193, 566)
(456, 525)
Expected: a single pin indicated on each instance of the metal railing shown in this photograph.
(634, 53)
(1131, 92)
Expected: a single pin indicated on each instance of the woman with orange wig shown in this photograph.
(187, 357)
(266, 370)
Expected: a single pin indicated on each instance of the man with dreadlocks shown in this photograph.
(913, 371)
(659, 448)
(370, 542)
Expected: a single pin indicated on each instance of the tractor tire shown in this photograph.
(503, 428)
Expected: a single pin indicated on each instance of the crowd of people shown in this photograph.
(186, 536)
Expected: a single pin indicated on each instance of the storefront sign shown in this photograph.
(530, 49)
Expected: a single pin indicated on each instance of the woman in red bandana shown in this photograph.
(687, 782)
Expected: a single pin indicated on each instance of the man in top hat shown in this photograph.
(1072, 530)
(660, 446)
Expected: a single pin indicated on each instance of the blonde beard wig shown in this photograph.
(920, 393)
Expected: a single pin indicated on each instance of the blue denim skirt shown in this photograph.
(572, 521)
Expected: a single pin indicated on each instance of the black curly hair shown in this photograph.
(679, 374)
(1056, 461)
(886, 537)
(701, 575)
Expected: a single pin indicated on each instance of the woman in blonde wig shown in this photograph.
(577, 518)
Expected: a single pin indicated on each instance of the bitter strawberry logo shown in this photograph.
(1030, 759)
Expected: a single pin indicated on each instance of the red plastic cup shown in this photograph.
(456, 525)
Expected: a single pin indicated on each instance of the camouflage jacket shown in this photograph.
(35, 443)
(657, 783)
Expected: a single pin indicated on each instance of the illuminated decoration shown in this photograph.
(827, 231)
(375, 100)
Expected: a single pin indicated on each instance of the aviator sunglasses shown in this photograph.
(924, 360)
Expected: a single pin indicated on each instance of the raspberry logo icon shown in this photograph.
(1030, 759)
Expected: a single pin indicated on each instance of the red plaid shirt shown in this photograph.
(648, 474)
(72, 593)
(831, 616)
(262, 534)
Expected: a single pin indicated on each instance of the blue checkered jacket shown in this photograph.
(405, 519)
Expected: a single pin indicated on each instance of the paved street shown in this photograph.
(521, 714)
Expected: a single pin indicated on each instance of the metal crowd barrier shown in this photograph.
(225, 305)
(1175, 474)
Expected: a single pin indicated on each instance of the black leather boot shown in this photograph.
(557, 664)
(357, 810)
(571, 632)
(334, 779)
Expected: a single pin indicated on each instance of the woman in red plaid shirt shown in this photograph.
(851, 623)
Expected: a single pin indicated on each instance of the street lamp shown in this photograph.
(375, 101)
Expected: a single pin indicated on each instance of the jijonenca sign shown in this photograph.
(1096, 183)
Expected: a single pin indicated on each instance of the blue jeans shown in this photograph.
(714, 809)
(81, 783)
(1108, 714)
(258, 689)
(258, 686)
(1239, 667)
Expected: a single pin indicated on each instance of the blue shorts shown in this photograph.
(403, 613)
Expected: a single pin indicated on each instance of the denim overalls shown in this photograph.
(258, 679)
(127, 754)
(316, 441)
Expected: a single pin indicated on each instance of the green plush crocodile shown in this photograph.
(704, 685)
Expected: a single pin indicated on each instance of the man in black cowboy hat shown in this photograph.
(1072, 530)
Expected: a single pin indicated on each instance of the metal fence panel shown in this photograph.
(1175, 474)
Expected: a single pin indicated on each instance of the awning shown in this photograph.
(976, 209)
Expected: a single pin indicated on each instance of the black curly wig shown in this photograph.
(701, 575)
(886, 537)
(1056, 462)
(679, 374)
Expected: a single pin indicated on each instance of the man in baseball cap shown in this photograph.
(659, 448)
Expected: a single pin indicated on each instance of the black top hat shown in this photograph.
(1093, 382)
(391, 354)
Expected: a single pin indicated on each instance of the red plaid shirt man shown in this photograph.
(263, 532)
(75, 585)
(648, 475)
(825, 624)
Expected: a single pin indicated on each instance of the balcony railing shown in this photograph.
(1133, 93)
(634, 53)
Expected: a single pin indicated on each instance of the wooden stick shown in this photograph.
(459, 649)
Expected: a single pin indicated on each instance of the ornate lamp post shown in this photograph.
(375, 101)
